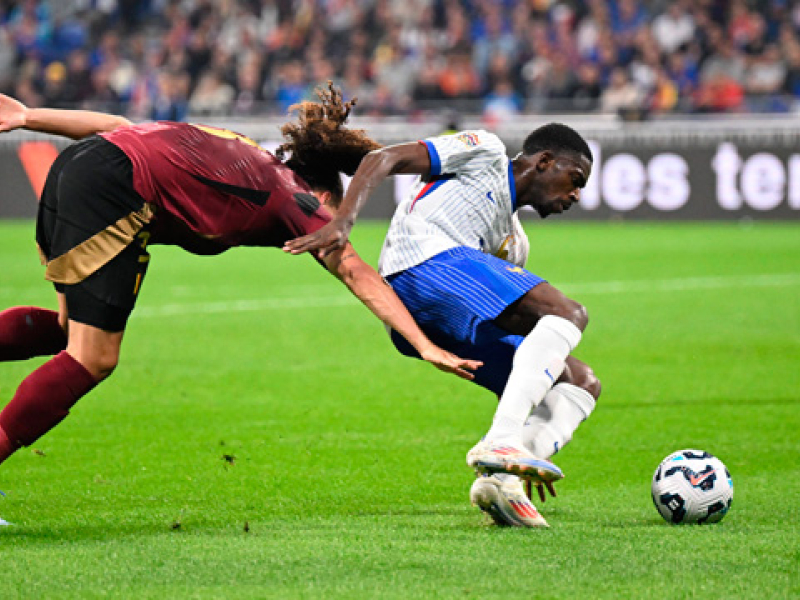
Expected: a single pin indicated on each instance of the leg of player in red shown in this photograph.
(28, 331)
(44, 398)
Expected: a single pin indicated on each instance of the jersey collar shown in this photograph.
(512, 186)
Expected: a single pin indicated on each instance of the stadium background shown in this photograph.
(690, 106)
(262, 440)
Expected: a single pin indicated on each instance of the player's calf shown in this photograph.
(41, 401)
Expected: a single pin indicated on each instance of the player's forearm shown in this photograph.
(374, 168)
(365, 283)
(74, 124)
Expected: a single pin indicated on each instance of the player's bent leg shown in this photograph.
(523, 315)
(569, 403)
(28, 331)
(504, 500)
(579, 374)
(538, 362)
(45, 397)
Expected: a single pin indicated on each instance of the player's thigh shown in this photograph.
(457, 291)
(63, 313)
(521, 317)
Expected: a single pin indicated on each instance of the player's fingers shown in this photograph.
(550, 488)
(293, 246)
(463, 374)
(540, 491)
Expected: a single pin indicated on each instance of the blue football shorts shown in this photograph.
(455, 297)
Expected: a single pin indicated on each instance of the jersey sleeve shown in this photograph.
(463, 153)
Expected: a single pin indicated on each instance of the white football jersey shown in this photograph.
(468, 200)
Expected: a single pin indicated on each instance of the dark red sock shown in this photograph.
(6, 447)
(27, 331)
(44, 398)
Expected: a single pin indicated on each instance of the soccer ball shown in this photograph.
(692, 486)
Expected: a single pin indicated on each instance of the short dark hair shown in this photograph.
(557, 138)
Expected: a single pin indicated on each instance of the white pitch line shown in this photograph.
(604, 287)
(246, 305)
(685, 284)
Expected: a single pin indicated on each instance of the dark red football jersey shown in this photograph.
(212, 189)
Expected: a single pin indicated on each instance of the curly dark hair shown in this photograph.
(319, 147)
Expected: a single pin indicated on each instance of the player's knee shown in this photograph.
(592, 384)
(101, 365)
(578, 314)
(573, 312)
(581, 375)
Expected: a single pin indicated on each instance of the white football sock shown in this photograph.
(538, 363)
(553, 422)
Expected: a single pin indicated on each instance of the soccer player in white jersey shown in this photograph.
(446, 256)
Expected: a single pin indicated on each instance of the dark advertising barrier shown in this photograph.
(752, 175)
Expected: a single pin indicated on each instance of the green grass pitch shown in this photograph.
(262, 439)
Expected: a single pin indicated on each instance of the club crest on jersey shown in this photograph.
(468, 139)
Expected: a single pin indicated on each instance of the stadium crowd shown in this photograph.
(168, 59)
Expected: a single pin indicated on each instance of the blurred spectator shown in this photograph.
(54, 89)
(621, 95)
(494, 39)
(249, 95)
(212, 97)
(719, 94)
(585, 93)
(627, 18)
(8, 57)
(764, 79)
(78, 84)
(725, 61)
(459, 78)
(673, 28)
(663, 96)
(502, 103)
(104, 97)
(170, 103)
(291, 85)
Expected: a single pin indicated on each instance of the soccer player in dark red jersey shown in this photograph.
(108, 196)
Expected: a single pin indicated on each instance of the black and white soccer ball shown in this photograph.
(692, 486)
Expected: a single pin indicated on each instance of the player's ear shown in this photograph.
(544, 160)
(325, 198)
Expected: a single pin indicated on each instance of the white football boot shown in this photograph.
(492, 457)
(505, 501)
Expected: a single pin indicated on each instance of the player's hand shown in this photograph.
(12, 113)
(450, 363)
(324, 241)
(540, 487)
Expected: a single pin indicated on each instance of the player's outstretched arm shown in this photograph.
(367, 286)
(74, 124)
(375, 167)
